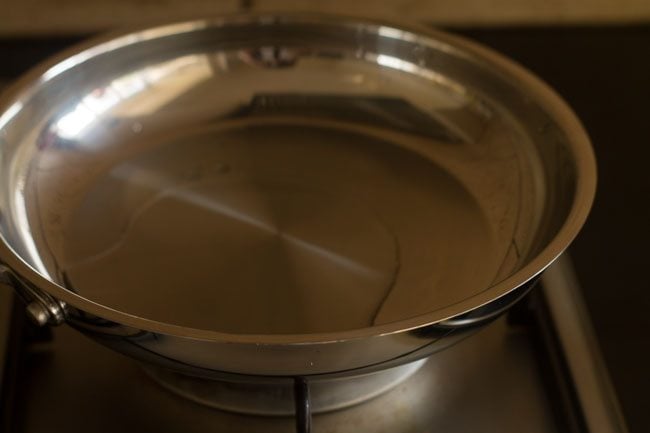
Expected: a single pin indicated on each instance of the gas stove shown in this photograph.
(535, 370)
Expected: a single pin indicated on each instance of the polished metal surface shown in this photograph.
(594, 389)
(42, 307)
(276, 397)
(487, 384)
(285, 195)
(451, 392)
(37, 313)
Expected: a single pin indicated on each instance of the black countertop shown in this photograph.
(604, 74)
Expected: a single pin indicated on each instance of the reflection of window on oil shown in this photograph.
(172, 79)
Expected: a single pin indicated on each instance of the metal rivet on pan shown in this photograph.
(37, 313)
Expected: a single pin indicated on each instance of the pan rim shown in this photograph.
(540, 92)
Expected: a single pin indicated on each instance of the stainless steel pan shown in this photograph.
(284, 195)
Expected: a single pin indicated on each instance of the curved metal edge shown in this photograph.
(491, 311)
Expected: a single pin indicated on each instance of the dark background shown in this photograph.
(604, 74)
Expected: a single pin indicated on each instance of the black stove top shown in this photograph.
(603, 73)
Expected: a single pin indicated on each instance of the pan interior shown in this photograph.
(272, 191)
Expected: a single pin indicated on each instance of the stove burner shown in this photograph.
(275, 396)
